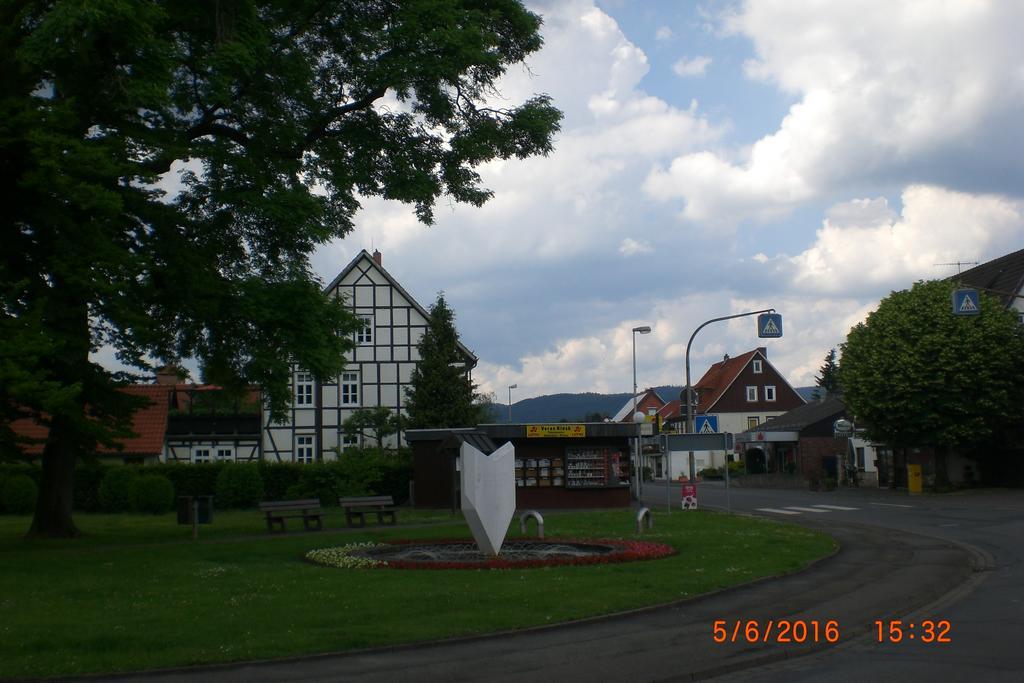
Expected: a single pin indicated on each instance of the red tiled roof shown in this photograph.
(149, 425)
(718, 378)
(149, 422)
(671, 409)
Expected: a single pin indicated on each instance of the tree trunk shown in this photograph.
(68, 320)
(56, 492)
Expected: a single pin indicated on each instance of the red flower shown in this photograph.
(624, 551)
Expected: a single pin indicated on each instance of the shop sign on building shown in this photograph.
(556, 431)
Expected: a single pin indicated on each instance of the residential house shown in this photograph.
(740, 392)
(145, 446)
(1003, 277)
(378, 369)
(652, 407)
(804, 441)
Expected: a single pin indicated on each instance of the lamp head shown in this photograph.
(643, 329)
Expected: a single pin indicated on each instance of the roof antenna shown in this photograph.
(957, 264)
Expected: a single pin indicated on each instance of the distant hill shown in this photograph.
(571, 407)
(575, 407)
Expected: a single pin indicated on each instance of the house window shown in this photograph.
(751, 394)
(769, 393)
(364, 335)
(860, 458)
(350, 388)
(304, 449)
(752, 422)
(758, 367)
(303, 389)
(349, 441)
(200, 455)
(225, 454)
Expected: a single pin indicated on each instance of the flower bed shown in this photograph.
(462, 554)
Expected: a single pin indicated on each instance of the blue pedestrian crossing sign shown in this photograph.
(769, 325)
(705, 424)
(965, 302)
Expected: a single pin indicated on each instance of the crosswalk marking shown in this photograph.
(797, 509)
(777, 511)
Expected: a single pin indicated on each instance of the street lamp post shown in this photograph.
(510, 388)
(637, 473)
(689, 389)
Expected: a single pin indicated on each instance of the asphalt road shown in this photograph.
(986, 614)
(952, 558)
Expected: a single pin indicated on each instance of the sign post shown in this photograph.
(966, 302)
(768, 325)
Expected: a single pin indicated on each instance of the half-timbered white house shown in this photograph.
(377, 370)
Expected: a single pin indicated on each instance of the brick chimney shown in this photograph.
(377, 258)
(763, 350)
(168, 374)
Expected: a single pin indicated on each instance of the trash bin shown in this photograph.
(188, 505)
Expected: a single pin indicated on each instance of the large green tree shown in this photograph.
(915, 375)
(167, 168)
(441, 392)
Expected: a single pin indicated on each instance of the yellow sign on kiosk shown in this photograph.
(914, 479)
(556, 431)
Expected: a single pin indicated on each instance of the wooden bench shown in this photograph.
(356, 508)
(278, 511)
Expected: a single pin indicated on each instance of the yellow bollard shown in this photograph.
(914, 479)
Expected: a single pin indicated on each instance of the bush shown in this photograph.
(88, 478)
(18, 494)
(712, 473)
(278, 479)
(154, 494)
(239, 486)
(189, 479)
(117, 492)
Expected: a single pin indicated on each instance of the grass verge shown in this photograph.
(137, 593)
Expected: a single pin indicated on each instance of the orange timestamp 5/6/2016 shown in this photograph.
(782, 631)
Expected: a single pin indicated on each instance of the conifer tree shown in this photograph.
(441, 392)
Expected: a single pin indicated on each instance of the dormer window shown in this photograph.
(758, 366)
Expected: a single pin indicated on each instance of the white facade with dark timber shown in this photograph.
(377, 370)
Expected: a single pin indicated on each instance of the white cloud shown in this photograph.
(581, 198)
(686, 68)
(862, 246)
(663, 33)
(909, 92)
(631, 247)
(602, 361)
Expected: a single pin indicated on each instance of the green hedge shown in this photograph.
(153, 494)
(18, 494)
(356, 472)
(238, 486)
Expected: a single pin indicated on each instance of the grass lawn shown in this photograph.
(138, 593)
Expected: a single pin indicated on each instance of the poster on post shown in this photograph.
(689, 497)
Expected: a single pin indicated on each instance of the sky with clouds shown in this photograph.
(720, 157)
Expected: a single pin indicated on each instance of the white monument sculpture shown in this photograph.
(488, 494)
